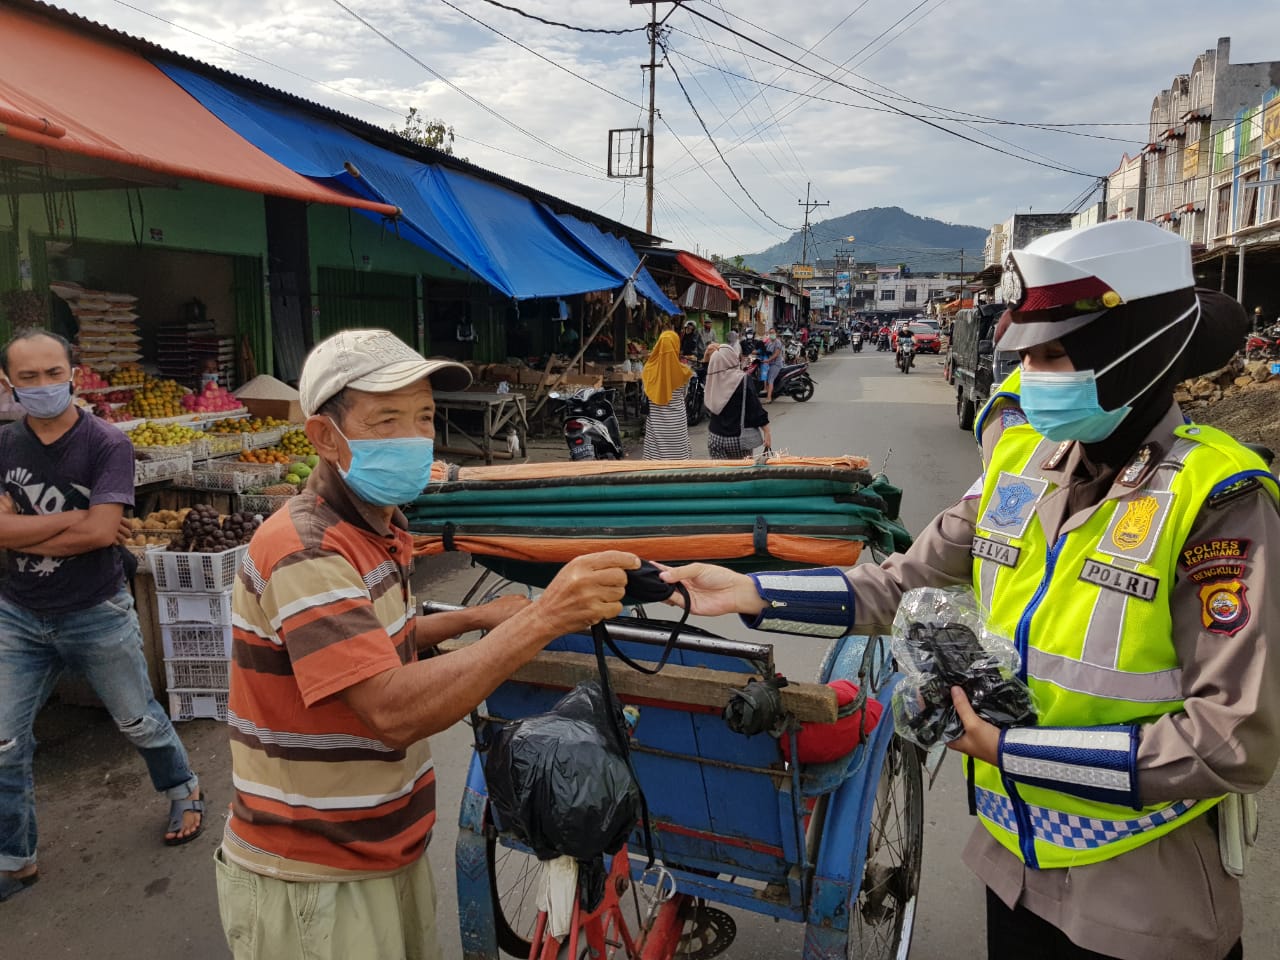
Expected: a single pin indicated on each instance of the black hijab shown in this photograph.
(1203, 341)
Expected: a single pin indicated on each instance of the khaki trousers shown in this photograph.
(388, 918)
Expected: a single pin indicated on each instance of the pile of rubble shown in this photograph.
(1243, 398)
(1239, 376)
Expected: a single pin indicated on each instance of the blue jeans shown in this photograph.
(103, 644)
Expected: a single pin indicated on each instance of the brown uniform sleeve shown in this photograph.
(1227, 736)
(940, 555)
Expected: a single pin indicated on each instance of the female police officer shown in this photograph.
(1124, 551)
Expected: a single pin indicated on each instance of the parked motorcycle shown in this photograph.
(906, 354)
(790, 349)
(695, 394)
(812, 350)
(794, 381)
(1263, 345)
(590, 425)
(856, 340)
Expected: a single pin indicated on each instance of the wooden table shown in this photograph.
(498, 413)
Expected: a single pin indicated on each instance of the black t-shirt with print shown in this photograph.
(90, 464)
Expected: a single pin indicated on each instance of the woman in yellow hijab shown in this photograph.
(666, 428)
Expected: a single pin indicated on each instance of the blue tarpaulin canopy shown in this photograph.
(617, 253)
(510, 241)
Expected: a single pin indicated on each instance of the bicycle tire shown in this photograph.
(882, 917)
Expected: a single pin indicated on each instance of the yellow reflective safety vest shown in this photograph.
(1090, 616)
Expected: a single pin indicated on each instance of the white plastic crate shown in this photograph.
(263, 438)
(193, 641)
(163, 467)
(195, 572)
(213, 609)
(214, 674)
(227, 480)
(262, 504)
(198, 705)
(224, 444)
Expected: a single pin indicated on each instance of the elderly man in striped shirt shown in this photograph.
(330, 710)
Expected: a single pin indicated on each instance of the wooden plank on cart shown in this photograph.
(695, 686)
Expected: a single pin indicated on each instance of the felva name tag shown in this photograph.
(995, 551)
(1117, 578)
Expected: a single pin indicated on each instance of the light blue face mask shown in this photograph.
(45, 402)
(387, 473)
(1064, 406)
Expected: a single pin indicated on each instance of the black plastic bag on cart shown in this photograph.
(940, 641)
(559, 781)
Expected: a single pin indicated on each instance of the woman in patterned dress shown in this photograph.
(666, 428)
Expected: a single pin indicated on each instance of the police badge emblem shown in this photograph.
(1135, 524)
(1224, 608)
(1011, 508)
(1134, 530)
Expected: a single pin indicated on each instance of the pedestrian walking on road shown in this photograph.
(739, 424)
(1126, 552)
(67, 478)
(665, 380)
(324, 854)
(772, 366)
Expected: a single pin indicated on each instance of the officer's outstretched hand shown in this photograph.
(981, 739)
(714, 591)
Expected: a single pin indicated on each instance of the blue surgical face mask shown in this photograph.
(1065, 406)
(387, 473)
(46, 402)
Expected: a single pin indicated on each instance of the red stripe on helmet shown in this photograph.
(1055, 296)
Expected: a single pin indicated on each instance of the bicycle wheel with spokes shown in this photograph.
(883, 916)
(513, 887)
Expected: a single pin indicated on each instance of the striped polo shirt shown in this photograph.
(321, 603)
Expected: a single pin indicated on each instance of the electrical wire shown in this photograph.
(546, 59)
(769, 107)
(764, 141)
(463, 93)
(564, 26)
(718, 185)
(863, 106)
(976, 117)
(703, 124)
(874, 99)
(254, 56)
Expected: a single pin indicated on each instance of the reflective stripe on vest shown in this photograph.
(1090, 615)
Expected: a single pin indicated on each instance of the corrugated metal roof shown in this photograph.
(372, 132)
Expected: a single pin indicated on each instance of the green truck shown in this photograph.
(974, 365)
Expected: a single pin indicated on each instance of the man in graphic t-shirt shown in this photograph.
(66, 478)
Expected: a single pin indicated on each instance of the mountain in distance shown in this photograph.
(883, 235)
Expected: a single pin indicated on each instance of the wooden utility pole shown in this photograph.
(809, 206)
(653, 77)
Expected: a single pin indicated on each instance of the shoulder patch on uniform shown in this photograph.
(1012, 418)
(1234, 491)
(1224, 608)
(1214, 551)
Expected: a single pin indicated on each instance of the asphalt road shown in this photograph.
(110, 890)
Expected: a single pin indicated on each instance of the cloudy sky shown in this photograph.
(540, 114)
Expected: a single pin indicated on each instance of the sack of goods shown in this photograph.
(940, 641)
(559, 781)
